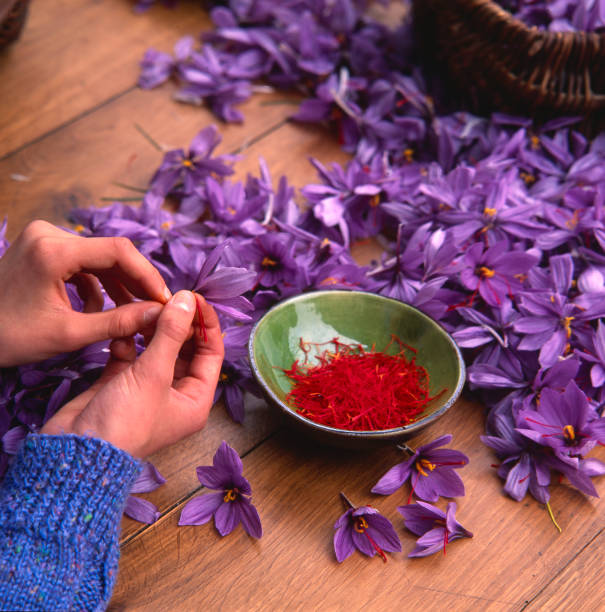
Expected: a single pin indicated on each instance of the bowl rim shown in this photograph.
(379, 433)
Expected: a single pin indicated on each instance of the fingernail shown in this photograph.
(151, 314)
(184, 300)
(167, 293)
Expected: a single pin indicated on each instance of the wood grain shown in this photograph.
(74, 55)
(579, 585)
(514, 553)
(76, 165)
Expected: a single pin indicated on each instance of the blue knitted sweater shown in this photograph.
(61, 505)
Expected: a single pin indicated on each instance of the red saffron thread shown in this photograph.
(200, 316)
(354, 389)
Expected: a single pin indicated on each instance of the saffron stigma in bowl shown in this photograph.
(358, 390)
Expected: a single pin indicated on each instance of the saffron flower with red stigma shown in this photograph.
(495, 271)
(366, 530)
(435, 527)
(231, 505)
(564, 421)
(430, 470)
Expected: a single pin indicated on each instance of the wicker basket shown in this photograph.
(497, 63)
(12, 20)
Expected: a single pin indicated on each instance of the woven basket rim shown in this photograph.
(493, 11)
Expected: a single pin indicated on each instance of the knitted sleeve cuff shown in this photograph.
(68, 484)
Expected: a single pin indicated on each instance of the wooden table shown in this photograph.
(68, 115)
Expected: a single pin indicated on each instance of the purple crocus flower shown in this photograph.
(190, 169)
(231, 505)
(430, 470)
(564, 421)
(366, 530)
(143, 510)
(222, 287)
(272, 255)
(550, 321)
(494, 272)
(525, 465)
(435, 527)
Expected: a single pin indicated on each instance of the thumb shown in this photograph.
(120, 322)
(172, 330)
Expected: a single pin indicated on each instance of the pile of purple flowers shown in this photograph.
(493, 226)
(559, 15)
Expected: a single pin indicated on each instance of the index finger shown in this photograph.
(119, 257)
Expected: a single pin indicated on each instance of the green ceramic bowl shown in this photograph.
(355, 317)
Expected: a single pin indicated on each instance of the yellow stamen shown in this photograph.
(360, 524)
(79, 228)
(552, 299)
(421, 464)
(268, 262)
(166, 225)
(529, 179)
(408, 154)
(231, 210)
(223, 377)
(573, 222)
(187, 163)
(329, 280)
(567, 325)
(230, 495)
(375, 201)
(325, 242)
(535, 142)
(552, 517)
(490, 212)
(569, 432)
(486, 272)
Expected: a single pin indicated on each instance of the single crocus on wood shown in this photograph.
(430, 470)
(435, 527)
(231, 505)
(364, 529)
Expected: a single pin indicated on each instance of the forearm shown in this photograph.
(61, 504)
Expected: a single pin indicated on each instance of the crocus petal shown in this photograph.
(553, 348)
(250, 518)
(200, 509)
(227, 517)
(393, 479)
(383, 533)
(149, 479)
(518, 479)
(141, 510)
(343, 542)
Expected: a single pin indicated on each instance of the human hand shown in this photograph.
(141, 405)
(37, 320)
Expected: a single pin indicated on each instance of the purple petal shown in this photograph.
(393, 479)
(149, 479)
(227, 517)
(250, 518)
(141, 510)
(200, 509)
(343, 541)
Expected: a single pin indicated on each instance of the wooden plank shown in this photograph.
(75, 54)
(579, 585)
(514, 554)
(75, 166)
